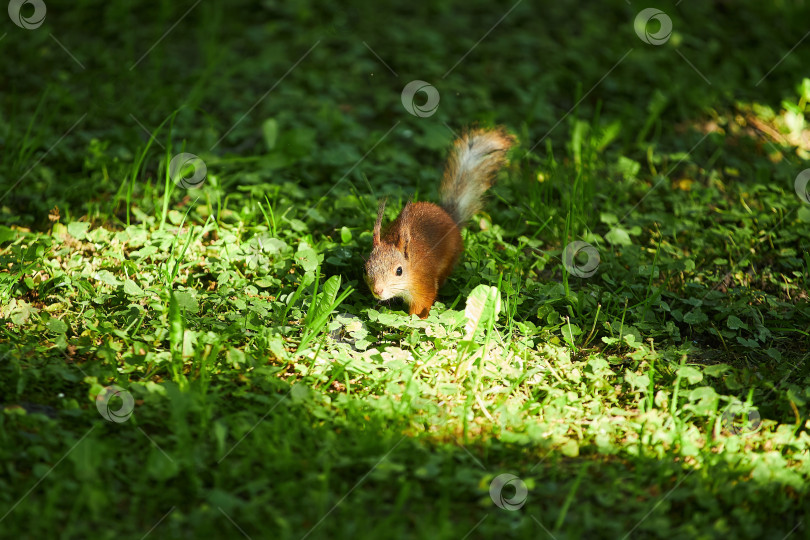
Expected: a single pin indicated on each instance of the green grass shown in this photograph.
(665, 395)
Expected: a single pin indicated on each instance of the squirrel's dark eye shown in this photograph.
(399, 270)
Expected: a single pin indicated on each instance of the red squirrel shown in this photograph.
(419, 249)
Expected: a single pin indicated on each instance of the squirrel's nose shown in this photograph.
(375, 291)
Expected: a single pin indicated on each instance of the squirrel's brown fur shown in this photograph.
(419, 249)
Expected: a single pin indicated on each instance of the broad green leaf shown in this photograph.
(78, 229)
(716, 370)
(695, 316)
(598, 365)
(57, 326)
(186, 301)
(22, 312)
(7, 234)
(691, 374)
(570, 448)
(327, 297)
(483, 305)
(132, 288)
(608, 218)
(750, 343)
(627, 167)
(299, 393)
(105, 276)
(569, 331)
(307, 258)
(735, 323)
(618, 237)
(706, 399)
(774, 353)
(639, 382)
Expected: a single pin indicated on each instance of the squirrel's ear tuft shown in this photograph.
(378, 225)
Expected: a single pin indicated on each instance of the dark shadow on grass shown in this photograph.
(362, 470)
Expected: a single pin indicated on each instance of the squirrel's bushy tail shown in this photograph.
(471, 168)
